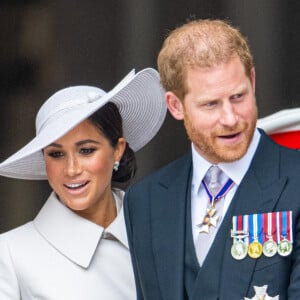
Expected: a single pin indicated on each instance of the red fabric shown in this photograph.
(290, 139)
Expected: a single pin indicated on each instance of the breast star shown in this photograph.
(261, 294)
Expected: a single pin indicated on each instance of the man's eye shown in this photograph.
(211, 104)
(237, 96)
(87, 151)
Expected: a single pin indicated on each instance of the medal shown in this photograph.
(261, 294)
(284, 224)
(266, 233)
(269, 246)
(239, 234)
(255, 249)
(255, 226)
(285, 247)
(239, 250)
(211, 218)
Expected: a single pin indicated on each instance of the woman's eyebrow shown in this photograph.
(54, 145)
(80, 143)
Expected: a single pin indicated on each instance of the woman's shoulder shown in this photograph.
(18, 235)
(22, 242)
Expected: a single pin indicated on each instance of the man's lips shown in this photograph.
(230, 139)
(229, 136)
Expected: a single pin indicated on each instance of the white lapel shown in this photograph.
(73, 236)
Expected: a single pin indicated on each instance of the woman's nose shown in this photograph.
(72, 167)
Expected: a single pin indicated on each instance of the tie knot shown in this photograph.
(213, 179)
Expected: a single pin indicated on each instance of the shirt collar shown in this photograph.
(235, 170)
(75, 237)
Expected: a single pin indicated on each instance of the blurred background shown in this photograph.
(48, 45)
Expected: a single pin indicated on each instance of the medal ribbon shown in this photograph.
(240, 228)
(255, 227)
(210, 218)
(290, 227)
(269, 226)
(283, 222)
(261, 227)
(222, 192)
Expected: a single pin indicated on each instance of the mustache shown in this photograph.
(231, 130)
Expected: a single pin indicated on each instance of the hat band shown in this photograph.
(65, 107)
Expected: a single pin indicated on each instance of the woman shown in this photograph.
(76, 247)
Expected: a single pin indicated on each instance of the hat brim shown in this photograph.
(140, 99)
(281, 121)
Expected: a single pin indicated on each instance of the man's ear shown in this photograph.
(252, 78)
(174, 105)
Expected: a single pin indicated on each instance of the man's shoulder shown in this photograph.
(292, 153)
(273, 153)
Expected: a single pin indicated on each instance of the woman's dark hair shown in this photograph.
(108, 119)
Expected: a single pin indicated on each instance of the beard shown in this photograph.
(208, 145)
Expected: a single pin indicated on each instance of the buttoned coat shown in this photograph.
(155, 214)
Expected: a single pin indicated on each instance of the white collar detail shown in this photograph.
(75, 237)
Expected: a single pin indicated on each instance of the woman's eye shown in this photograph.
(87, 151)
(55, 154)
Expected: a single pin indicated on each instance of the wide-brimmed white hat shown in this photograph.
(283, 127)
(139, 97)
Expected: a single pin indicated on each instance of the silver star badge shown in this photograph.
(204, 228)
(261, 294)
(211, 221)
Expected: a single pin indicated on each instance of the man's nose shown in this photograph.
(228, 117)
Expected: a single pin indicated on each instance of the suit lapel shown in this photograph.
(258, 192)
(168, 228)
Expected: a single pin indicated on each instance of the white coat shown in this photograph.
(61, 256)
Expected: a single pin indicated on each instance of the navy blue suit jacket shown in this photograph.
(155, 212)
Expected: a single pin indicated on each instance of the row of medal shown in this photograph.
(262, 234)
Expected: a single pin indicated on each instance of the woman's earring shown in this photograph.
(116, 166)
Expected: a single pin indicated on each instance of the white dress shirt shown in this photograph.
(235, 170)
(62, 256)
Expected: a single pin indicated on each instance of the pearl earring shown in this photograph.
(116, 166)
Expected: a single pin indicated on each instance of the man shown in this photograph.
(241, 240)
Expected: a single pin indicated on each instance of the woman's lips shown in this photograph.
(76, 188)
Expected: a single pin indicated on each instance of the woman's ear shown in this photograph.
(174, 105)
(120, 149)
